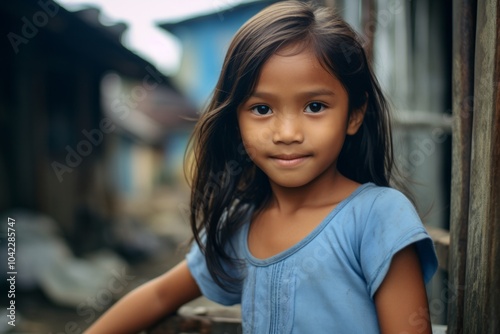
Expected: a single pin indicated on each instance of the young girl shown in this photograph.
(291, 205)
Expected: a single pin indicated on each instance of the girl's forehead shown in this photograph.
(307, 49)
(293, 58)
(295, 72)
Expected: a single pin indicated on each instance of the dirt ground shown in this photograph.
(37, 314)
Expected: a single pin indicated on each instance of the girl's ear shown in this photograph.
(356, 119)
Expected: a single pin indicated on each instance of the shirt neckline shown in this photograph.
(308, 238)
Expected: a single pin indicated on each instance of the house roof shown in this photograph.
(78, 42)
(79, 31)
(216, 14)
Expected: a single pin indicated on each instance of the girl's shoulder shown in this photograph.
(377, 207)
(375, 198)
(385, 222)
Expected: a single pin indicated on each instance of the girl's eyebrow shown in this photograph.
(307, 94)
(318, 92)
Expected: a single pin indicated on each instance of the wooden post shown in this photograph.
(464, 29)
(482, 278)
(369, 25)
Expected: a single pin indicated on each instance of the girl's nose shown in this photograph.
(288, 130)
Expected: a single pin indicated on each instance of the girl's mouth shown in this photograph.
(289, 160)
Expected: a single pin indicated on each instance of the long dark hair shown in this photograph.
(226, 186)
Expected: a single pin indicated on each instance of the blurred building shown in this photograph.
(75, 104)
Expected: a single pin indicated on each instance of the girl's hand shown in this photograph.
(401, 299)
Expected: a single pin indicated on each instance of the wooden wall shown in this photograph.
(475, 221)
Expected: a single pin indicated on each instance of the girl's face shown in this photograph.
(294, 124)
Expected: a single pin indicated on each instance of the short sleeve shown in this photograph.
(211, 290)
(391, 225)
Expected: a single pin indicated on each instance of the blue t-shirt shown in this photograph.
(326, 282)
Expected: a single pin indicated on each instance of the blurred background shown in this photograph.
(97, 102)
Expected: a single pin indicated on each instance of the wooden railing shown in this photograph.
(200, 320)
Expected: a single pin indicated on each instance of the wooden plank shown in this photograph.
(441, 240)
(464, 27)
(369, 26)
(482, 279)
(213, 320)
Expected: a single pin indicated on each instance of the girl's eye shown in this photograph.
(315, 107)
(261, 110)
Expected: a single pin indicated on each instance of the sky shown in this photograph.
(143, 36)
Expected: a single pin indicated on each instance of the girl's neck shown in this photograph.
(325, 191)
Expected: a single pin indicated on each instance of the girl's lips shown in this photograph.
(289, 160)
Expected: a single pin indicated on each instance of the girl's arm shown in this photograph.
(401, 299)
(143, 306)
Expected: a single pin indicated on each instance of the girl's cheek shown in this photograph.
(264, 135)
(257, 136)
